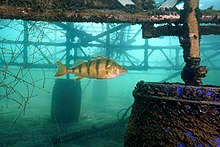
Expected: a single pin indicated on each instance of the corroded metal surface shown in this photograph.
(177, 91)
(192, 72)
(41, 5)
(93, 11)
(89, 15)
(150, 31)
(174, 114)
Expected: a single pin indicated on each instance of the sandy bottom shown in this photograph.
(95, 128)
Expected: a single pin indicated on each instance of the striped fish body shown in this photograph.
(99, 68)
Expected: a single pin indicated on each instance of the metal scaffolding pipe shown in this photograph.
(192, 71)
(99, 15)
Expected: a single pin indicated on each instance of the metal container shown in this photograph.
(66, 101)
(166, 114)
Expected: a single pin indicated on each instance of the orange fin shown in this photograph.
(62, 69)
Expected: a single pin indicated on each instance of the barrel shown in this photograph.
(165, 114)
(66, 101)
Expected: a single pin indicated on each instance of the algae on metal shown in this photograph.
(166, 114)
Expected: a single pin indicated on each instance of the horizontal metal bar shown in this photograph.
(99, 15)
(139, 68)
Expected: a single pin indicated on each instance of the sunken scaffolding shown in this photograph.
(162, 114)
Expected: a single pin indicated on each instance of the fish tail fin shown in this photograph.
(62, 69)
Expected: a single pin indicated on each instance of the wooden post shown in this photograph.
(192, 72)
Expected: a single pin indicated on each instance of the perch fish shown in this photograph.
(99, 68)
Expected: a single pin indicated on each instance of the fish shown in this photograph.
(100, 67)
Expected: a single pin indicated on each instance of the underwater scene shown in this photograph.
(97, 73)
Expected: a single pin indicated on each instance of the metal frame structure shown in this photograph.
(122, 47)
(120, 44)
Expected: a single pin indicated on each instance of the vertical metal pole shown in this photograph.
(146, 47)
(108, 52)
(192, 72)
(25, 42)
(68, 48)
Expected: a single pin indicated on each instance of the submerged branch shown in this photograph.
(86, 132)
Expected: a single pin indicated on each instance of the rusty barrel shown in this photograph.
(165, 114)
(66, 101)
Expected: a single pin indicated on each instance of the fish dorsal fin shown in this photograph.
(78, 62)
(98, 57)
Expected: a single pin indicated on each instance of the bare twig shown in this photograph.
(17, 82)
